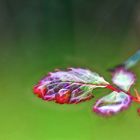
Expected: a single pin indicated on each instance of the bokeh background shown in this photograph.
(37, 36)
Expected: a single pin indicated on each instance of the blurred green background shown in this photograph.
(37, 36)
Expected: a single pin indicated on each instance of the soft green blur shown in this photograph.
(39, 36)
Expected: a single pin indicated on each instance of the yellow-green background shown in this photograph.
(38, 36)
